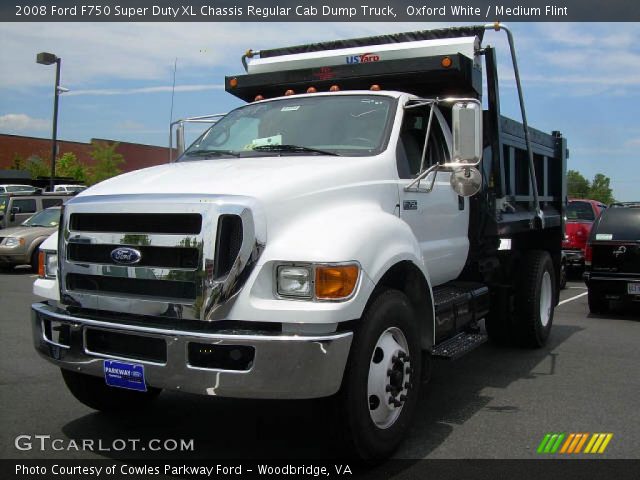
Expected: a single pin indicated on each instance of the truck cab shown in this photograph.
(346, 227)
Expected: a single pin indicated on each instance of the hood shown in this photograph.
(27, 232)
(264, 178)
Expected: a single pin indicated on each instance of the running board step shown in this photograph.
(457, 346)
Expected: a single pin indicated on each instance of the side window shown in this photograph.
(26, 205)
(51, 202)
(411, 143)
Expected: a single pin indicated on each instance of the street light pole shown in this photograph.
(45, 58)
(54, 134)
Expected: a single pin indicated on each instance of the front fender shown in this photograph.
(376, 239)
(45, 287)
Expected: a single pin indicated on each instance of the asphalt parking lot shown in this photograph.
(492, 403)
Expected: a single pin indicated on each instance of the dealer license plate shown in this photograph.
(633, 288)
(124, 375)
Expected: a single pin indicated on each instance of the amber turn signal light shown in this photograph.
(335, 282)
(41, 264)
(446, 62)
(334, 88)
(233, 83)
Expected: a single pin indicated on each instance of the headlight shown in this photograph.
(47, 264)
(319, 282)
(50, 264)
(294, 281)
(13, 241)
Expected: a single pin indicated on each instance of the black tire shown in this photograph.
(596, 300)
(391, 309)
(563, 276)
(34, 259)
(530, 329)
(96, 394)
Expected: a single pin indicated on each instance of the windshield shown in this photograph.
(355, 125)
(580, 211)
(19, 188)
(46, 218)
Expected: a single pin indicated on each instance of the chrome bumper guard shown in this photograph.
(284, 366)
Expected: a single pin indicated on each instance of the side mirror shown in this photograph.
(15, 210)
(180, 139)
(467, 132)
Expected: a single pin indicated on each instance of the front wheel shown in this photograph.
(380, 388)
(96, 394)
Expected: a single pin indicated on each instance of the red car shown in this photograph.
(581, 214)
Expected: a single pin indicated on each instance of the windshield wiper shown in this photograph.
(211, 153)
(292, 148)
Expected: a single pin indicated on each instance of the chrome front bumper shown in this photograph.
(284, 366)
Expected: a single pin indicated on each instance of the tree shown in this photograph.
(36, 167)
(69, 166)
(106, 160)
(18, 162)
(600, 189)
(577, 185)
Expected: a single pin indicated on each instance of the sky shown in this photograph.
(582, 79)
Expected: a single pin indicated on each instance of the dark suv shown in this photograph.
(612, 257)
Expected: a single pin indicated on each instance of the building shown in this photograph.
(136, 155)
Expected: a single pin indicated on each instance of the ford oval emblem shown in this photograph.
(126, 255)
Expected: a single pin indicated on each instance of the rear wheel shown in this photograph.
(596, 300)
(535, 299)
(96, 394)
(380, 388)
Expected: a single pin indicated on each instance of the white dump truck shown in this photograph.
(357, 218)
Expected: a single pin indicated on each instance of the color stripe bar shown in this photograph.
(555, 447)
(605, 443)
(591, 442)
(577, 438)
(550, 443)
(581, 443)
(543, 443)
(567, 443)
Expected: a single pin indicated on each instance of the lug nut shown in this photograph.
(408, 385)
(389, 372)
(402, 355)
(403, 398)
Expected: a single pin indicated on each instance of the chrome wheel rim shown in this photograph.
(389, 374)
(545, 299)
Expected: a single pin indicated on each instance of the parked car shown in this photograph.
(69, 188)
(16, 188)
(612, 257)
(581, 213)
(15, 208)
(19, 245)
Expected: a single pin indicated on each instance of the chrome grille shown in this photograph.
(193, 251)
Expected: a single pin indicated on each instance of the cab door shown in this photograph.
(438, 217)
